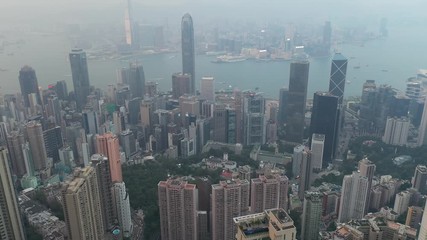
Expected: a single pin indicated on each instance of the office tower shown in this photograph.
(296, 100)
(108, 145)
(269, 191)
(324, 120)
(238, 106)
(100, 164)
(136, 80)
(283, 99)
(82, 206)
(128, 143)
(254, 119)
(229, 199)
(10, 217)
(423, 230)
(181, 84)
(34, 133)
(15, 140)
(306, 173)
(337, 78)
(178, 209)
(61, 90)
(207, 88)
(188, 57)
(419, 179)
(128, 24)
(29, 85)
(367, 169)
(270, 224)
(134, 111)
(80, 77)
(312, 212)
(423, 126)
(414, 217)
(151, 89)
(401, 202)
(327, 36)
(90, 121)
(297, 159)
(147, 113)
(353, 197)
(54, 110)
(121, 198)
(53, 142)
(396, 131)
(367, 102)
(317, 148)
(189, 106)
(220, 121)
(271, 132)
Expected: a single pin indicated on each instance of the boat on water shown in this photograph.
(229, 59)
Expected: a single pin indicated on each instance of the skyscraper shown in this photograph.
(423, 229)
(10, 217)
(306, 172)
(414, 217)
(29, 85)
(15, 140)
(367, 169)
(181, 84)
(317, 147)
(80, 75)
(128, 24)
(207, 88)
(420, 178)
(188, 57)
(34, 134)
(82, 206)
(254, 121)
(311, 216)
(136, 80)
(230, 199)
(327, 36)
(353, 197)
(100, 164)
(108, 145)
(297, 96)
(338, 75)
(178, 209)
(324, 120)
(269, 191)
(53, 142)
(283, 99)
(121, 199)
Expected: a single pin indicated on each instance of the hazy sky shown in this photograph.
(106, 11)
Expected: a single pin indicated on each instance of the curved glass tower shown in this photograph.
(187, 41)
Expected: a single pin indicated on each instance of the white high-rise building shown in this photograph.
(423, 229)
(396, 131)
(317, 146)
(355, 189)
(297, 159)
(402, 202)
(311, 217)
(423, 126)
(207, 88)
(121, 198)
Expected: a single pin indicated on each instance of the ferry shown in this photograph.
(229, 59)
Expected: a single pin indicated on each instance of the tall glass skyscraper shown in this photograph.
(338, 75)
(29, 85)
(297, 96)
(187, 41)
(80, 76)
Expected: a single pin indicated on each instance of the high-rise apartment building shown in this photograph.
(101, 165)
(229, 199)
(401, 202)
(324, 120)
(82, 206)
(396, 131)
(80, 75)
(269, 224)
(121, 200)
(188, 57)
(337, 77)
(423, 230)
(178, 210)
(317, 148)
(11, 226)
(419, 179)
(367, 169)
(296, 100)
(29, 85)
(269, 191)
(414, 217)
(108, 145)
(34, 133)
(311, 216)
(207, 88)
(15, 140)
(353, 197)
(181, 84)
